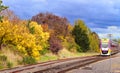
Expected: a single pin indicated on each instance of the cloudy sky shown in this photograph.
(101, 16)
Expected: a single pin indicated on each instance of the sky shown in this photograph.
(101, 16)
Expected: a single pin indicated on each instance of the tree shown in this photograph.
(94, 41)
(37, 31)
(26, 43)
(57, 27)
(58, 24)
(2, 7)
(80, 34)
(4, 30)
(55, 45)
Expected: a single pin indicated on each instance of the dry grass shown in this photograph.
(64, 53)
(11, 56)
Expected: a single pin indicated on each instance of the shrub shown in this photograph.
(28, 60)
(3, 58)
(55, 45)
(9, 64)
(44, 51)
(1, 65)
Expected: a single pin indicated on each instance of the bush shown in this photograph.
(79, 48)
(44, 51)
(9, 64)
(29, 60)
(1, 65)
(3, 58)
(19, 62)
(55, 44)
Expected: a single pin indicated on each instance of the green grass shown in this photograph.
(48, 57)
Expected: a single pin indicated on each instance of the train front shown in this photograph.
(105, 47)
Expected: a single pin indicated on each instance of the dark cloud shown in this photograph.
(96, 14)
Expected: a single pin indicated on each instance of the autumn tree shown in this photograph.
(37, 31)
(3, 32)
(55, 45)
(26, 43)
(94, 41)
(56, 25)
(80, 34)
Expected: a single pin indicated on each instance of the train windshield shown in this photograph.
(104, 45)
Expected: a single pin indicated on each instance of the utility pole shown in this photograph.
(110, 36)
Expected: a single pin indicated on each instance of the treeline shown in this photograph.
(45, 32)
(61, 31)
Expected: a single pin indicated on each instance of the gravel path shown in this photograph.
(111, 65)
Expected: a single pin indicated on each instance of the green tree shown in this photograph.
(80, 33)
(2, 7)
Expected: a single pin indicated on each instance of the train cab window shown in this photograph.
(104, 45)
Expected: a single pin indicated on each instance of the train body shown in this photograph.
(108, 47)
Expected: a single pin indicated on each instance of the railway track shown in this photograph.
(56, 66)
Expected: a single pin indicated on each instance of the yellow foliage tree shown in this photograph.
(41, 37)
(18, 35)
(94, 42)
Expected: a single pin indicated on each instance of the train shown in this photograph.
(108, 46)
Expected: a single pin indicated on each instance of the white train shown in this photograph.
(108, 47)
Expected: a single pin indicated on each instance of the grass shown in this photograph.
(11, 56)
(64, 54)
(48, 57)
(87, 54)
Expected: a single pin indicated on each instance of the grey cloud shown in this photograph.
(95, 13)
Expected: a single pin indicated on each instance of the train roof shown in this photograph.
(105, 40)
